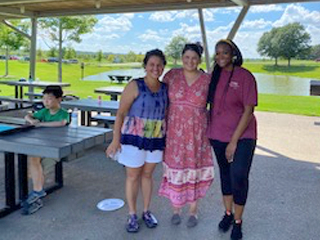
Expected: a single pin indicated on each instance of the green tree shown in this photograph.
(66, 29)
(52, 52)
(110, 58)
(268, 45)
(99, 56)
(12, 40)
(70, 53)
(39, 53)
(315, 52)
(175, 47)
(293, 41)
(131, 57)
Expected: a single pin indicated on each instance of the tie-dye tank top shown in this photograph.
(144, 126)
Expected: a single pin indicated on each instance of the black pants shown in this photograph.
(234, 176)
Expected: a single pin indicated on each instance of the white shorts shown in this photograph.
(133, 157)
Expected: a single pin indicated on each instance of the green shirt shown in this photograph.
(44, 115)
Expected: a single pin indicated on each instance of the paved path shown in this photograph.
(283, 202)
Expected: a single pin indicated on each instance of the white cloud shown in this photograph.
(297, 13)
(247, 41)
(229, 10)
(256, 24)
(150, 35)
(266, 8)
(192, 33)
(120, 23)
(314, 33)
(170, 16)
(165, 16)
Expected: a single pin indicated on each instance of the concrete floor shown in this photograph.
(283, 201)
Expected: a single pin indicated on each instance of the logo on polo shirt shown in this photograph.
(234, 85)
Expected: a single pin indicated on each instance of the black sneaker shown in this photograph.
(226, 222)
(236, 233)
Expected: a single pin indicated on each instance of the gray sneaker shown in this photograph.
(192, 221)
(34, 196)
(176, 219)
(28, 209)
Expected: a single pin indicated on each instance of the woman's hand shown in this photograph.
(230, 150)
(113, 148)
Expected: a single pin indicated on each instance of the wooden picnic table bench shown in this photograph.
(106, 120)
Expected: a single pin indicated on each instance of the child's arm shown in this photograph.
(30, 119)
(52, 124)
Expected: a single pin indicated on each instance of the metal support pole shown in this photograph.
(204, 39)
(238, 22)
(33, 49)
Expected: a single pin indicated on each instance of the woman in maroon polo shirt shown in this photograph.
(232, 130)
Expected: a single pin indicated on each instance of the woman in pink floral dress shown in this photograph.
(188, 163)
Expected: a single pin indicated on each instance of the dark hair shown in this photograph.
(237, 61)
(155, 52)
(54, 90)
(196, 47)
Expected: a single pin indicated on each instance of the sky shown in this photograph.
(140, 32)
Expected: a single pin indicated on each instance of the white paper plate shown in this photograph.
(110, 204)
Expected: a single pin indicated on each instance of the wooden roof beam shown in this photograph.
(242, 3)
(15, 12)
(12, 2)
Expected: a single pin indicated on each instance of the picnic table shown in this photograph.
(114, 92)
(63, 142)
(119, 78)
(86, 106)
(18, 90)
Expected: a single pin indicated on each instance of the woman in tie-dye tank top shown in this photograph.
(139, 135)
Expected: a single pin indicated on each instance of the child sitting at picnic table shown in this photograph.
(52, 115)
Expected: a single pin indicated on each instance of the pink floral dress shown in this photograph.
(188, 163)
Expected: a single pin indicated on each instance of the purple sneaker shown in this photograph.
(149, 219)
(132, 225)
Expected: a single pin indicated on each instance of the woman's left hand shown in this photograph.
(230, 150)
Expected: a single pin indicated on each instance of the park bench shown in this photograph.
(106, 120)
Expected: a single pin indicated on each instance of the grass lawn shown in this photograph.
(267, 102)
(298, 68)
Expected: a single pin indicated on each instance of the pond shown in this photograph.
(271, 84)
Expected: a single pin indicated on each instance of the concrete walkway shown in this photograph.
(283, 201)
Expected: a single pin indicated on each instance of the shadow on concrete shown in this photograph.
(283, 204)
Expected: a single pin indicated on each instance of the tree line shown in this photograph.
(288, 42)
